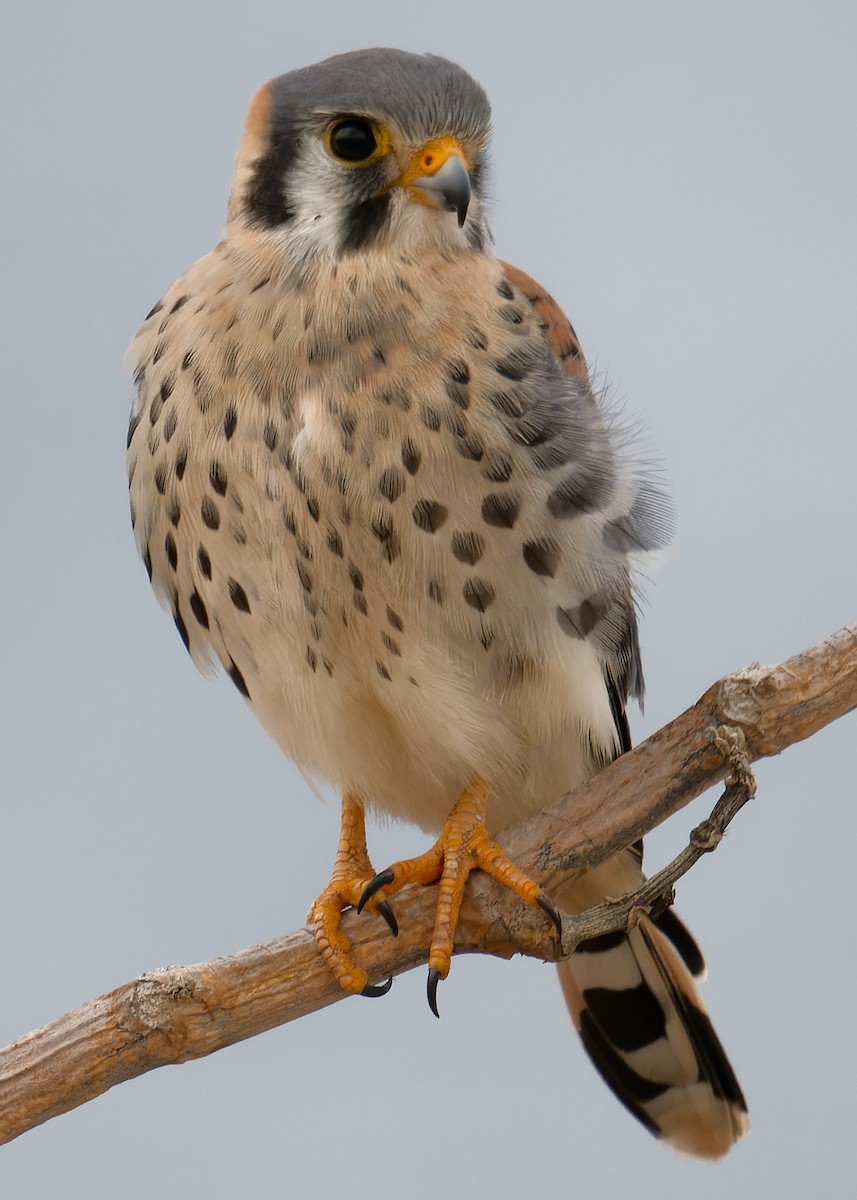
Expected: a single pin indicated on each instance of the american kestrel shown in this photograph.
(370, 476)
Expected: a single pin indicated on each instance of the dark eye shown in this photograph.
(353, 140)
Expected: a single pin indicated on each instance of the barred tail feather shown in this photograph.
(641, 1019)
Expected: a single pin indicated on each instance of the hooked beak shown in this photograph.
(438, 176)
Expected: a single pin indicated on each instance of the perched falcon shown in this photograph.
(370, 476)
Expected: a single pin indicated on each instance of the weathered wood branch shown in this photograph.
(180, 1013)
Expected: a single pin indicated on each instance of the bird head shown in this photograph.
(372, 150)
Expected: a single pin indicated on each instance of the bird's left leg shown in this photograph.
(352, 871)
(463, 846)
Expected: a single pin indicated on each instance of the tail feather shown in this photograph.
(639, 1014)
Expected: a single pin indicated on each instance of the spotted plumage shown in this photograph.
(370, 477)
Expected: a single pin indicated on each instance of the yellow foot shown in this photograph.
(352, 872)
(463, 846)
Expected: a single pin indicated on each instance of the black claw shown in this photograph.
(546, 906)
(374, 990)
(387, 913)
(375, 885)
(431, 989)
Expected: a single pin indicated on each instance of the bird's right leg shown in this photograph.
(352, 872)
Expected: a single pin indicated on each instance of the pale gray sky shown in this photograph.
(682, 177)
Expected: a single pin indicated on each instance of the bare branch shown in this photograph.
(180, 1013)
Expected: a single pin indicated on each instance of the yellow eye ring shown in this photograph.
(356, 140)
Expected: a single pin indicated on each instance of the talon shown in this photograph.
(431, 989)
(346, 889)
(373, 990)
(373, 886)
(546, 906)
(383, 909)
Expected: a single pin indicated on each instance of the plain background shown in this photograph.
(682, 177)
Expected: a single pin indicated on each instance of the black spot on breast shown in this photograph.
(167, 387)
(504, 289)
(356, 577)
(312, 507)
(198, 609)
(334, 543)
(477, 339)
(181, 464)
(209, 513)
(470, 447)
(147, 563)
(391, 484)
(204, 561)
(359, 601)
(382, 670)
(580, 621)
(430, 418)
(468, 547)
(312, 660)
(304, 576)
(238, 596)
(478, 594)
(170, 422)
(515, 367)
(262, 283)
(507, 403)
(533, 430)
(172, 553)
(585, 490)
(132, 428)
(435, 591)
(458, 371)
(156, 308)
(456, 423)
(271, 436)
(542, 557)
(391, 644)
(498, 467)
(500, 511)
(429, 515)
(394, 619)
(410, 457)
(187, 361)
(238, 679)
(217, 478)
(230, 422)
(551, 454)
(161, 478)
(382, 527)
(458, 395)
(180, 303)
(180, 625)
(175, 513)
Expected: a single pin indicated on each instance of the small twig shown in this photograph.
(657, 893)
